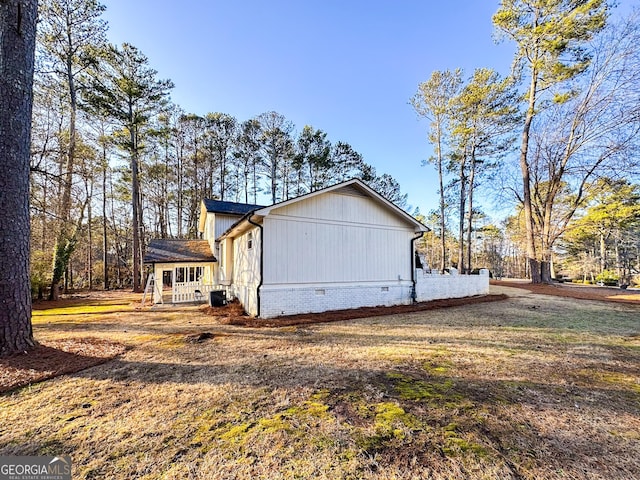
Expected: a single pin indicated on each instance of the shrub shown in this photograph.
(607, 277)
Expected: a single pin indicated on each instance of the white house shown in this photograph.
(344, 246)
(189, 267)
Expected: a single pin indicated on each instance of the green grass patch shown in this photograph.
(616, 380)
(440, 392)
(80, 310)
(455, 444)
(390, 427)
(296, 425)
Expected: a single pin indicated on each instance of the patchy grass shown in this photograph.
(534, 387)
(80, 310)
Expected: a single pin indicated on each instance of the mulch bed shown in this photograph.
(230, 315)
(581, 292)
(53, 358)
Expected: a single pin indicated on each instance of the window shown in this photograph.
(250, 241)
(180, 275)
(189, 274)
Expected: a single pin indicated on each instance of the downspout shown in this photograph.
(414, 294)
(261, 263)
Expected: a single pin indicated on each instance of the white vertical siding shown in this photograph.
(343, 208)
(246, 270)
(225, 261)
(209, 233)
(216, 224)
(336, 238)
(223, 222)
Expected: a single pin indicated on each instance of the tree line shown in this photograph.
(556, 138)
(114, 162)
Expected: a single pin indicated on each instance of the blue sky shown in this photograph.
(348, 67)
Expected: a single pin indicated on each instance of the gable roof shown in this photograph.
(355, 186)
(231, 208)
(178, 250)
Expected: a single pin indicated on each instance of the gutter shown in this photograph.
(261, 261)
(414, 295)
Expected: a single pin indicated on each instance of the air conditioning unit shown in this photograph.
(217, 298)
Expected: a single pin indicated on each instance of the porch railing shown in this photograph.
(192, 292)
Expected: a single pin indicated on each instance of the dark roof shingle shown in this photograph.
(174, 250)
(219, 206)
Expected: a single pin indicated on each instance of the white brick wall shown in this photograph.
(436, 286)
(278, 300)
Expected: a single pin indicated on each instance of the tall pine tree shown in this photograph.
(17, 45)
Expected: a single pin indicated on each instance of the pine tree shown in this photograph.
(550, 36)
(433, 101)
(17, 45)
(125, 88)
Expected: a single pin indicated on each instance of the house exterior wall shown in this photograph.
(338, 250)
(225, 255)
(223, 222)
(290, 300)
(334, 251)
(246, 270)
(216, 224)
(209, 232)
(335, 239)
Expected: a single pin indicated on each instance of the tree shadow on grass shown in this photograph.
(55, 358)
(507, 419)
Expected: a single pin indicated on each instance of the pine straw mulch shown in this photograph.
(580, 292)
(232, 314)
(53, 358)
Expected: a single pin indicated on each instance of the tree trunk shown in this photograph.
(461, 208)
(274, 182)
(472, 179)
(105, 257)
(545, 271)
(179, 194)
(618, 259)
(90, 240)
(534, 264)
(17, 45)
(443, 241)
(135, 204)
(60, 255)
(603, 253)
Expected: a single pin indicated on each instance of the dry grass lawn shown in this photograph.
(532, 387)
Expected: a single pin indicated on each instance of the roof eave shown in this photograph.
(418, 226)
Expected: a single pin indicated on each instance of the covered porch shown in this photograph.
(182, 271)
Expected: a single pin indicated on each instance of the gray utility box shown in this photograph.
(217, 298)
